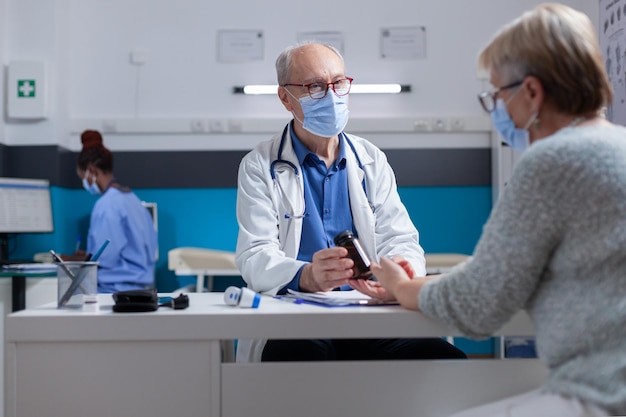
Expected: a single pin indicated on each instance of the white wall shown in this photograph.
(3, 41)
(86, 45)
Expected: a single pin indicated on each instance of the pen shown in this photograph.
(99, 251)
(78, 241)
(289, 299)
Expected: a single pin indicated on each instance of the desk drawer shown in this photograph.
(408, 388)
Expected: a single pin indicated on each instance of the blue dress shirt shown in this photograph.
(327, 203)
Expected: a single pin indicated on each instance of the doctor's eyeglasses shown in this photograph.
(318, 90)
(488, 98)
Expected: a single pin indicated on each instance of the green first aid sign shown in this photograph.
(26, 88)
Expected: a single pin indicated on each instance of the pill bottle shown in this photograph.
(356, 253)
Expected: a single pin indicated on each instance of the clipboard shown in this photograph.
(351, 298)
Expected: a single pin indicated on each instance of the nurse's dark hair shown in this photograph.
(283, 62)
(558, 45)
(94, 152)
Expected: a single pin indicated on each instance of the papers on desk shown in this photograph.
(335, 298)
(30, 267)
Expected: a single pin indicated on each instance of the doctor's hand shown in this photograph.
(330, 268)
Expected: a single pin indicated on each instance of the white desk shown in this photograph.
(69, 363)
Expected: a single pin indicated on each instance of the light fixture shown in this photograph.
(355, 89)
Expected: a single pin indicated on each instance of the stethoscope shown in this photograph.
(299, 212)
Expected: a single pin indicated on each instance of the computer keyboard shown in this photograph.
(34, 267)
(14, 261)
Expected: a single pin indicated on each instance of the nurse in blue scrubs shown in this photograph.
(118, 215)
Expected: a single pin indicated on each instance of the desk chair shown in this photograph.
(202, 263)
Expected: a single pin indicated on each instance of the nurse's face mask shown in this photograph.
(91, 187)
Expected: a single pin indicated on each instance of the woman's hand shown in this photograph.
(390, 274)
(376, 289)
(406, 265)
(395, 282)
(371, 288)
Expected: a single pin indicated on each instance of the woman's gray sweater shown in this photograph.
(555, 245)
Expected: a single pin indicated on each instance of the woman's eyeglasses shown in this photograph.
(488, 98)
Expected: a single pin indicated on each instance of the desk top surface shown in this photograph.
(208, 318)
(28, 269)
(10, 273)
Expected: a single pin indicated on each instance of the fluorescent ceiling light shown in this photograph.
(260, 89)
(376, 88)
(355, 89)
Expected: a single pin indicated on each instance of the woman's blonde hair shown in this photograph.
(558, 45)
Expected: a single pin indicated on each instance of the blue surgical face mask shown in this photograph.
(515, 137)
(325, 117)
(91, 188)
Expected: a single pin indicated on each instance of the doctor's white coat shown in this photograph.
(270, 230)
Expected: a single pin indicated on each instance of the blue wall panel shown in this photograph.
(449, 219)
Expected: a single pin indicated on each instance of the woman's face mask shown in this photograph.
(515, 137)
(325, 117)
(92, 188)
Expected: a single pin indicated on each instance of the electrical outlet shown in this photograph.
(197, 126)
(217, 126)
(109, 126)
(457, 124)
(235, 126)
(439, 124)
(421, 125)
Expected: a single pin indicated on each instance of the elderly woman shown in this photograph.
(555, 243)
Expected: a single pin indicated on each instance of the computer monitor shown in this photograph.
(154, 213)
(25, 207)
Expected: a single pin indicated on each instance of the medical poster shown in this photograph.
(612, 37)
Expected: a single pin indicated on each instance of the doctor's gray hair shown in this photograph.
(283, 62)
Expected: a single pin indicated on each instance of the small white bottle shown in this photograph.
(242, 297)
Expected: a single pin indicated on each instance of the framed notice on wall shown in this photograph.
(239, 45)
(403, 43)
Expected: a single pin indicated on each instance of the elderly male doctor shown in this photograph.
(300, 189)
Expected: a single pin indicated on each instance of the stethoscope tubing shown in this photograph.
(295, 170)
